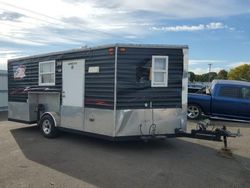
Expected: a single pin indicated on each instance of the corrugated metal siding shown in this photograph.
(18, 87)
(131, 94)
(3, 90)
(99, 87)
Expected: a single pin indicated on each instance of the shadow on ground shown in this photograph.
(171, 163)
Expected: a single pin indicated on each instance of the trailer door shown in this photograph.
(73, 83)
(72, 110)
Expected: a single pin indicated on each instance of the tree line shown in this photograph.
(241, 72)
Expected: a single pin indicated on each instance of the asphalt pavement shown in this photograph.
(27, 159)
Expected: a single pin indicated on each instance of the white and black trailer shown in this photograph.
(117, 92)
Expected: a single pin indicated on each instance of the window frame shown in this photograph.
(54, 73)
(153, 82)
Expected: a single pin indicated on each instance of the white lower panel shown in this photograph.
(99, 121)
(72, 117)
(128, 122)
(19, 111)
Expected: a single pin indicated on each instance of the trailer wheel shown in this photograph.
(194, 112)
(47, 126)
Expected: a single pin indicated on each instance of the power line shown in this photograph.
(28, 10)
(28, 33)
(62, 24)
(45, 21)
(20, 32)
(74, 39)
(16, 38)
(58, 20)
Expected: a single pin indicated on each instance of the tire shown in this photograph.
(194, 112)
(47, 127)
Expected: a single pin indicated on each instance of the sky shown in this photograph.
(216, 31)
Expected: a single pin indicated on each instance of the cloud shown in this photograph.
(9, 51)
(200, 27)
(200, 70)
(6, 54)
(108, 19)
(10, 16)
(19, 40)
(236, 64)
(204, 61)
(178, 9)
(74, 24)
(85, 22)
(131, 36)
(215, 25)
(201, 66)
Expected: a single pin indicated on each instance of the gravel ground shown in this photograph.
(29, 160)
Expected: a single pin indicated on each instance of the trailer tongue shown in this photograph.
(219, 134)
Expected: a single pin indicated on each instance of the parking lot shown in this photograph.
(27, 159)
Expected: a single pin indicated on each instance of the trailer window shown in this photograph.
(159, 71)
(47, 73)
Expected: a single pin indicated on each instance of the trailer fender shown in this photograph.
(54, 116)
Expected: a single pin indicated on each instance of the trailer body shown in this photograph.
(112, 91)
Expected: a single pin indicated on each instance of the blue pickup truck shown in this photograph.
(224, 99)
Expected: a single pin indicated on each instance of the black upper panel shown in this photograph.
(99, 87)
(133, 88)
(133, 64)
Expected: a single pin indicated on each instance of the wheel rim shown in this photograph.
(193, 112)
(46, 126)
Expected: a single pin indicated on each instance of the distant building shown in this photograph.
(3, 90)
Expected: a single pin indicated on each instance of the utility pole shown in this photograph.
(209, 70)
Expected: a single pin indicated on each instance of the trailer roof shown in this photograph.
(100, 47)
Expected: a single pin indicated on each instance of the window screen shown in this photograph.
(231, 92)
(47, 73)
(159, 71)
